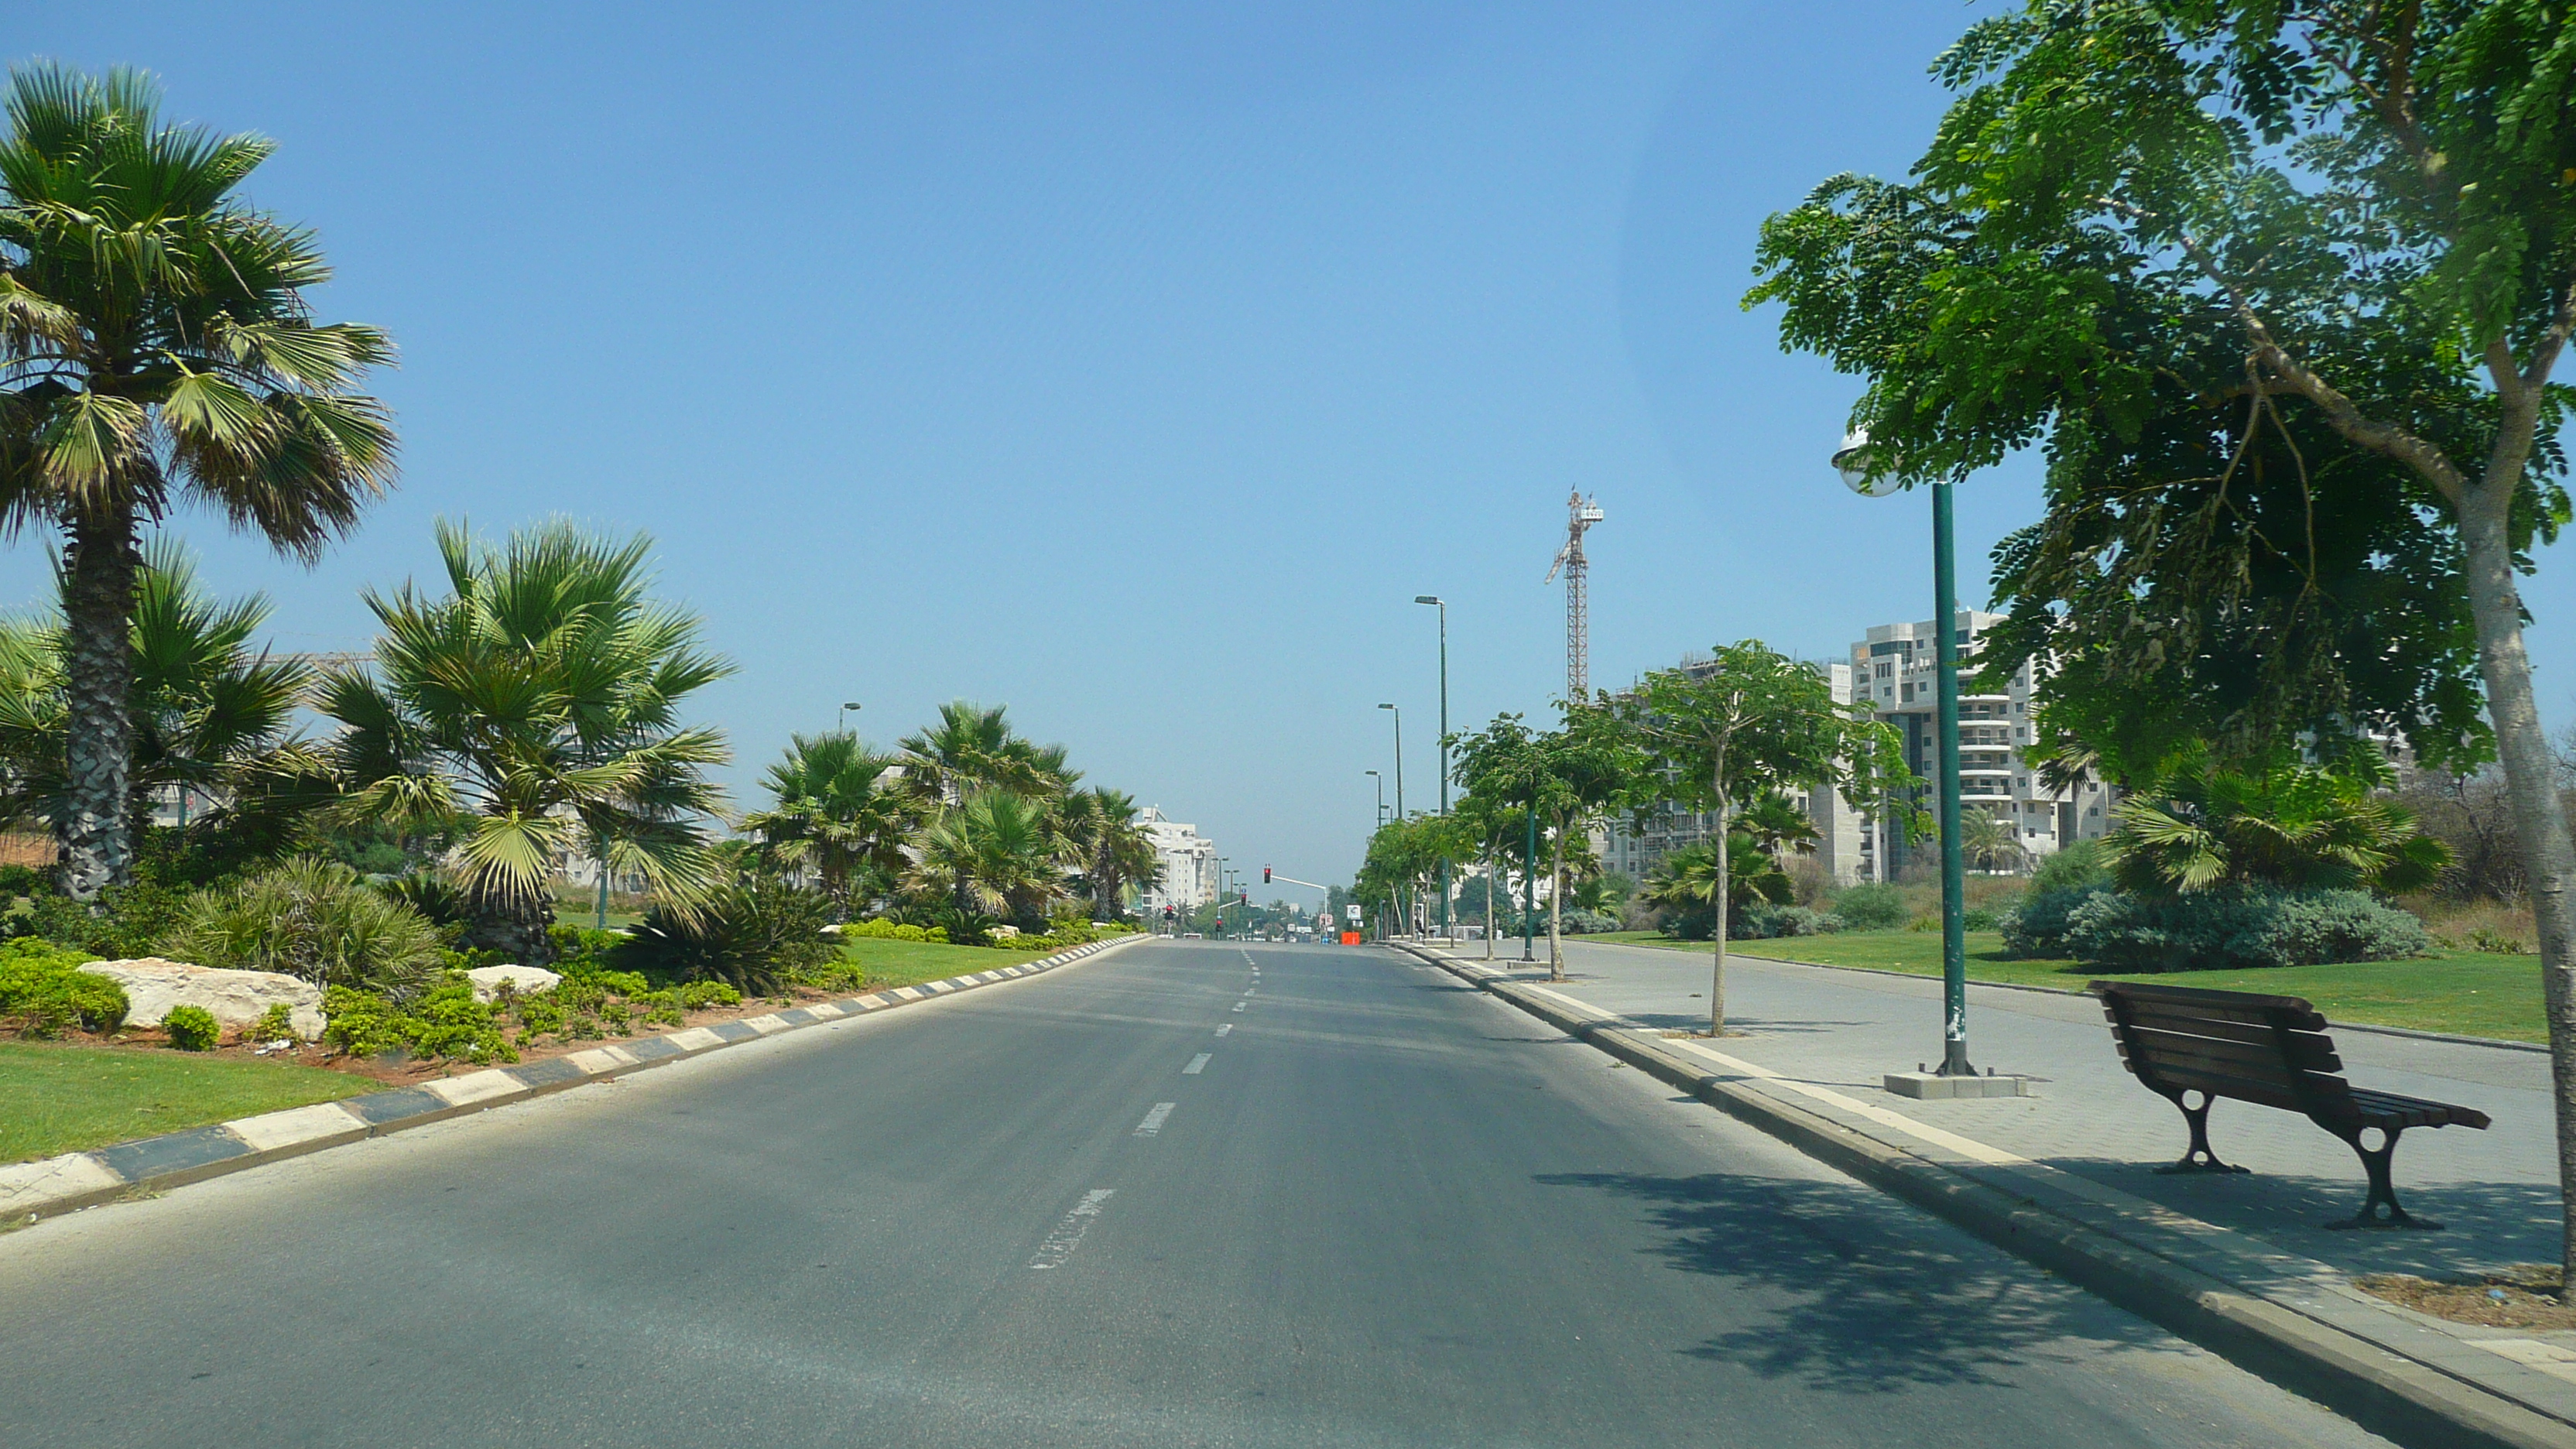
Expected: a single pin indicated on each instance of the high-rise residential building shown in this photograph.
(1188, 878)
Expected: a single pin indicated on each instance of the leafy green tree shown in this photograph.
(835, 809)
(1569, 776)
(538, 702)
(208, 714)
(156, 348)
(1745, 727)
(2208, 827)
(1988, 841)
(1101, 830)
(2282, 289)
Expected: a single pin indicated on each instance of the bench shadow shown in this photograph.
(1852, 1294)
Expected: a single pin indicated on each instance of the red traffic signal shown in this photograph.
(1243, 897)
(1265, 875)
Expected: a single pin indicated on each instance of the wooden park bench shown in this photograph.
(2272, 1051)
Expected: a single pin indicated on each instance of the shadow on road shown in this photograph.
(1848, 1296)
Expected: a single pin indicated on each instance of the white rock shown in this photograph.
(234, 998)
(525, 980)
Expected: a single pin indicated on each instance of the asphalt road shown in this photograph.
(1383, 1210)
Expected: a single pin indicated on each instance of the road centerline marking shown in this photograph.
(1222, 1030)
(1238, 1006)
(1152, 1126)
(1197, 1064)
(1059, 1245)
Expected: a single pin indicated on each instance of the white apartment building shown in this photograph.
(1188, 879)
(1892, 668)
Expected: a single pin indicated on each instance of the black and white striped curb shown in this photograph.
(30, 1190)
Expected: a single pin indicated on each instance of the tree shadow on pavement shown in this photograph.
(1852, 1293)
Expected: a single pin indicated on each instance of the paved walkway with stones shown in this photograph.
(2496, 1190)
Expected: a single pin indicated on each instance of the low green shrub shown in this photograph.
(2250, 928)
(752, 935)
(1978, 918)
(443, 1021)
(275, 1024)
(878, 928)
(1765, 921)
(2071, 867)
(2036, 927)
(43, 991)
(1874, 907)
(192, 1028)
(312, 918)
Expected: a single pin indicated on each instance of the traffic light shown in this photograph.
(1169, 913)
(1243, 897)
(1265, 875)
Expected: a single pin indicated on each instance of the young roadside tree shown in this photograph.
(1567, 777)
(1753, 723)
(836, 810)
(156, 348)
(2282, 288)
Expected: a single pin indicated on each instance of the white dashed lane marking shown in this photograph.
(1222, 1030)
(1153, 1123)
(1197, 1064)
(1059, 1245)
(1238, 1006)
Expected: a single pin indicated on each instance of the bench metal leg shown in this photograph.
(2383, 1192)
(2199, 1158)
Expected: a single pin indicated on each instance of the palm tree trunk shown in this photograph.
(1556, 906)
(94, 831)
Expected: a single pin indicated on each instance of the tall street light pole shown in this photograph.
(1854, 462)
(1442, 605)
(1399, 760)
(841, 720)
(1381, 798)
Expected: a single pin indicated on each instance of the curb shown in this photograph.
(57, 1185)
(2412, 1402)
(2404, 1031)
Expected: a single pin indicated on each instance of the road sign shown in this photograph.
(1353, 911)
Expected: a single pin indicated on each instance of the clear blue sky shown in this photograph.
(1131, 364)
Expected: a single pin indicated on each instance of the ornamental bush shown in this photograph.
(1877, 907)
(750, 935)
(443, 1021)
(312, 918)
(275, 1024)
(192, 1028)
(43, 991)
(2036, 927)
(1765, 922)
(2251, 927)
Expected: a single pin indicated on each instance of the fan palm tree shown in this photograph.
(209, 715)
(837, 812)
(1100, 827)
(1988, 840)
(156, 348)
(538, 702)
(974, 748)
(995, 854)
(2205, 827)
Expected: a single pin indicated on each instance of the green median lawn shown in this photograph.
(57, 1099)
(910, 963)
(2474, 993)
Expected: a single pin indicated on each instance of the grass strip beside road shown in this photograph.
(2470, 993)
(58, 1099)
(890, 963)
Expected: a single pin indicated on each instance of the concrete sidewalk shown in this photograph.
(1817, 1040)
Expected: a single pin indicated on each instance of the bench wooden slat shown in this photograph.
(2190, 1079)
(2185, 1014)
(2239, 1076)
(2223, 1030)
(2303, 1051)
(2418, 1111)
(2235, 1005)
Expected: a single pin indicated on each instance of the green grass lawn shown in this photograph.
(910, 963)
(2474, 993)
(57, 1099)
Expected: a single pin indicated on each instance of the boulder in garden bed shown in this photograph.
(525, 980)
(234, 998)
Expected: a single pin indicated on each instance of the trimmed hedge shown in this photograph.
(43, 991)
(2215, 930)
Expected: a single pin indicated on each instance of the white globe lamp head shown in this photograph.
(1853, 461)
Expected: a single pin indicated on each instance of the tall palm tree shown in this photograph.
(1110, 846)
(2205, 827)
(539, 701)
(994, 854)
(974, 748)
(156, 348)
(836, 811)
(210, 716)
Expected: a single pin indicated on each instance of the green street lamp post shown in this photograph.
(1529, 888)
(1442, 605)
(1853, 461)
(1399, 760)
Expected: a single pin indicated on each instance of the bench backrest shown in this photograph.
(2271, 1050)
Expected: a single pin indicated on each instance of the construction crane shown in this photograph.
(1580, 514)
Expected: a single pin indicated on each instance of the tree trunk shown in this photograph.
(515, 928)
(1489, 910)
(1556, 906)
(2549, 858)
(95, 831)
(1725, 900)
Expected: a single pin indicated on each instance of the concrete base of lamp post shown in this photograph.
(1932, 1086)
